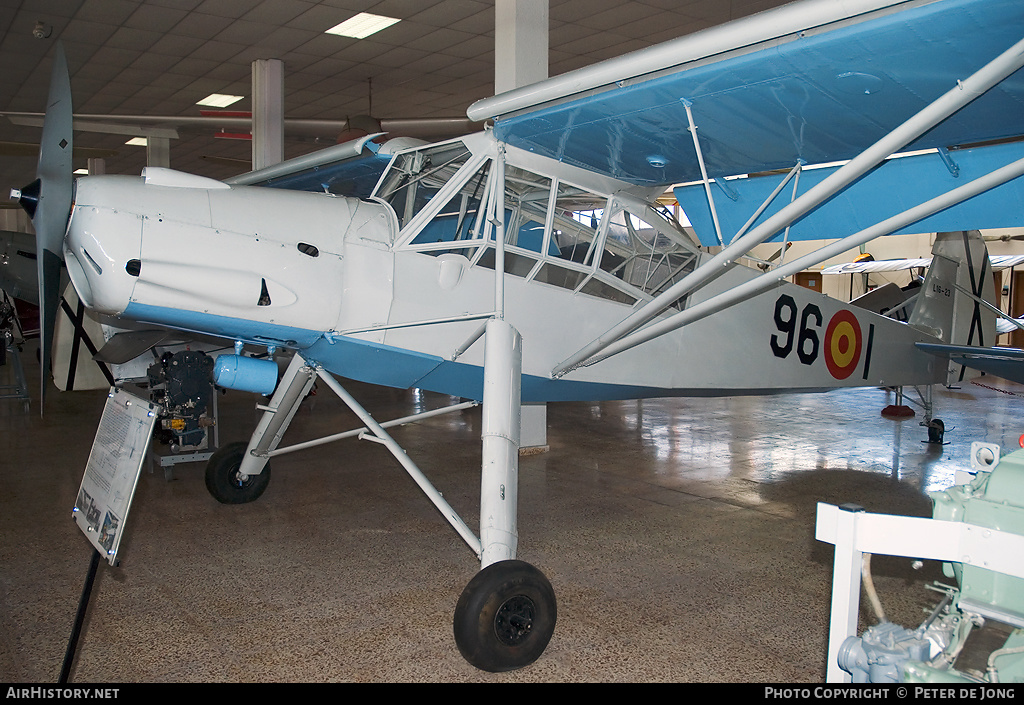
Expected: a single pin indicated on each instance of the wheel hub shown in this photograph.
(514, 620)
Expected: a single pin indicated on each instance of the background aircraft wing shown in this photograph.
(883, 265)
(811, 81)
(18, 273)
(896, 265)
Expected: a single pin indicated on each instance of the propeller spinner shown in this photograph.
(47, 200)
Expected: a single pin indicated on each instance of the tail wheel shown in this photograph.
(936, 431)
(224, 481)
(505, 617)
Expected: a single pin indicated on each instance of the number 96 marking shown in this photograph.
(842, 336)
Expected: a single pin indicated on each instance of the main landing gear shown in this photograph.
(506, 615)
(226, 483)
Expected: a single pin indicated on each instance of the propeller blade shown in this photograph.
(48, 202)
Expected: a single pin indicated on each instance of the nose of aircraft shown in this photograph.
(103, 244)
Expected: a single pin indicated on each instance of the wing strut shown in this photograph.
(498, 220)
(794, 172)
(703, 170)
(764, 282)
(957, 97)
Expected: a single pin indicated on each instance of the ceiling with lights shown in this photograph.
(432, 58)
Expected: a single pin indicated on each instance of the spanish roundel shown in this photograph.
(842, 344)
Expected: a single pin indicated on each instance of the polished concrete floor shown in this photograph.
(678, 535)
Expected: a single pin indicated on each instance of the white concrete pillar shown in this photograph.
(158, 151)
(521, 58)
(267, 112)
(520, 43)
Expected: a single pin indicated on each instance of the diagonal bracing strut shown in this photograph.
(957, 97)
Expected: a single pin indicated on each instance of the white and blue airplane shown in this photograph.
(531, 262)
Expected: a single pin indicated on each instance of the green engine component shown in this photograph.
(994, 500)
(976, 633)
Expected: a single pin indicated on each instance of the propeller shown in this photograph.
(47, 200)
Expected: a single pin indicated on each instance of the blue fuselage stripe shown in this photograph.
(376, 363)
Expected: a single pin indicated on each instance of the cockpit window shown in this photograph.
(414, 178)
(556, 233)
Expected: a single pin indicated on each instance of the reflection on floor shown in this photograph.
(678, 535)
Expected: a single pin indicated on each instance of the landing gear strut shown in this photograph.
(506, 615)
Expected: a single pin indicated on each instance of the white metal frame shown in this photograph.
(854, 532)
(491, 219)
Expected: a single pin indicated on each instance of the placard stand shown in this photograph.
(83, 605)
(105, 495)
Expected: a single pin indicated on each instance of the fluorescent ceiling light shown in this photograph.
(362, 25)
(138, 142)
(219, 100)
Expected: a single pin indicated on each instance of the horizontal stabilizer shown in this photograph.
(884, 299)
(1007, 363)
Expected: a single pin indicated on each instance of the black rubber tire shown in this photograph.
(936, 431)
(222, 476)
(505, 617)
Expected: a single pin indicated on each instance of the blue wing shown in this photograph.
(353, 177)
(818, 96)
(890, 189)
(348, 169)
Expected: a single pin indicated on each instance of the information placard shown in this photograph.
(112, 473)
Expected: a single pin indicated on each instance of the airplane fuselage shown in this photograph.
(388, 290)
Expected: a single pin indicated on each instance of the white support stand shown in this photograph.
(854, 532)
(846, 567)
(534, 433)
(499, 477)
